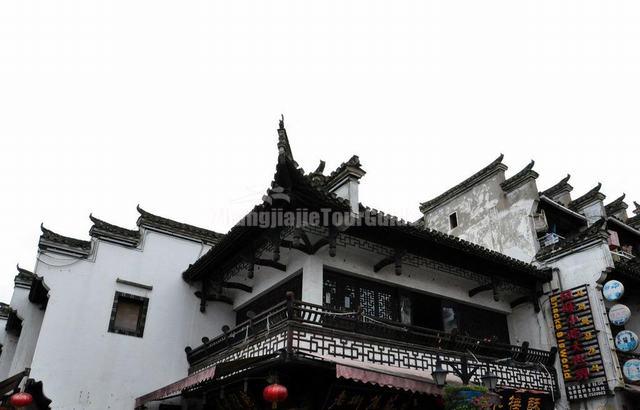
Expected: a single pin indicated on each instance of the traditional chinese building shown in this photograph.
(345, 306)
(585, 243)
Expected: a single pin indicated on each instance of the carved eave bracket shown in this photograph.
(330, 240)
(395, 259)
(493, 286)
(211, 293)
(533, 297)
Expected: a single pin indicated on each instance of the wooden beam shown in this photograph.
(302, 248)
(214, 297)
(396, 259)
(521, 300)
(382, 263)
(272, 264)
(274, 237)
(493, 286)
(479, 289)
(203, 301)
(322, 242)
(235, 285)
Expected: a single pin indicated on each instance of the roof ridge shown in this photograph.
(520, 177)
(562, 185)
(354, 162)
(616, 205)
(24, 277)
(51, 236)
(102, 229)
(592, 194)
(152, 220)
(485, 172)
(100, 223)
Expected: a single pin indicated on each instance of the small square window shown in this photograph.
(128, 314)
(453, 220)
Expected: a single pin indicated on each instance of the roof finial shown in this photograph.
(283, 142)
(637, 210)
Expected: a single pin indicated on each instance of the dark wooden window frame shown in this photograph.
(356, 284)
(453, 220)
(141, 318)
(461, 309)
(271, 297)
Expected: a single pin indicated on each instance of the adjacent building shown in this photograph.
(584, 241)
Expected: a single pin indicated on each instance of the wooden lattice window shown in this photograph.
(346, 293)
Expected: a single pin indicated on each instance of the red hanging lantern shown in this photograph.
(275, 393)
(21, 400)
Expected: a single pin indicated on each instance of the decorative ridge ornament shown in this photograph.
(562, 186)
(593, 195)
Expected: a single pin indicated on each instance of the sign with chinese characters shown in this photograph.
(578, 347)
(524, 400)
(355, 397)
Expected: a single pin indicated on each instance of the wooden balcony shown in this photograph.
(304, 329)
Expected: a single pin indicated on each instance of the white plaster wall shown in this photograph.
(527, 325)
(32, 317)
(492, 218)
(85, 367)
(594, 212)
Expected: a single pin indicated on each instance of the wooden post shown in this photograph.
(290, 317)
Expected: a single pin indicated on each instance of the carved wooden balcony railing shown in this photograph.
(313, 330)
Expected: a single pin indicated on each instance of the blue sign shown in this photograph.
(627, 341)
(613, 290)
(619, 314)
(631, 370)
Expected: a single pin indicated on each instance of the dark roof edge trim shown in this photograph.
(484, 173)
(51, 241)
(592, 196)
(113, 233)
(560, 187)
(562, 208)
(177, 229)
(525, 175)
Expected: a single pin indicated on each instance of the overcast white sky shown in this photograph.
(174, 105)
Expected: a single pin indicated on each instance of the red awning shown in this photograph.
(219, 370)
(177, 387)
(417, 381)
(388, 378)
